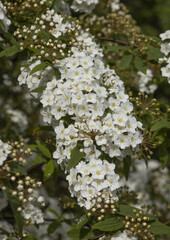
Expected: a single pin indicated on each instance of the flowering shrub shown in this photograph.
(85, 112)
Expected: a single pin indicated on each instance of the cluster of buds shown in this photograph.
(139, 226)
(103, 206)
(49, 25)
(18, 9)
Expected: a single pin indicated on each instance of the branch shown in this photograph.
(115, 40)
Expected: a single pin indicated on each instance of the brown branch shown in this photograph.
(116, 41)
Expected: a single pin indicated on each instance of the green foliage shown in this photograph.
(40, 67)
(159, 228)
(10, 51)
(108, 225)
(43, 149)
(14, 204)
(49, 169)
(16, 168)
(160, 124)
(140, 65)
(76, 157)
(126, 61)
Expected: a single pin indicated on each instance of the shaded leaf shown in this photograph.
(39, 89)
(43, 149)
(49, 169)
(125, 62)
(126, 166)
(39, 67)
(163, 155)
(38, 160)
(159, 228)
(160, 124)
(14, 203)
(140, 65)
(16, 168)
(109, 224)
(53, 226)
(154, 53)
(10, 51)
(76, 156)
(82, 221)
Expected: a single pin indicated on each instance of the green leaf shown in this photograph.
(53, 226)
(115, 49)
(76, 156)
(109, 224)
(125, 62)
(49, 169)
(31, 237)
(14, 203)
(80, 234)
(16, 168)
(10, 51)
(39, 89)
(160, 124)
(159, 228)
(126, 210)
(56, 5)
(38, 160)
(140, 65)
(53, 212)
(43, 149)
(82, 221)
(126, 166)
(154, 53)
(163, 155)
(39, 67)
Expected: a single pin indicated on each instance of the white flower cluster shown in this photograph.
(87, 104)
(115, 5)
(6, 22)
(32, 214)
(165, 49)
(88, 180)
(4, 151)
(119, 236)
(144, 82)
(17, 117)
(84, 5)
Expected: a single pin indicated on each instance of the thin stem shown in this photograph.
(115, 40)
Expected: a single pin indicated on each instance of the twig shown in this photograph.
(115, 40)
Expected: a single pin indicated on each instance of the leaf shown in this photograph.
(38, 160)
(154, 53)
(14, 203)
(39, 67)
(160, 124)
(10, 50)
(53, 226)
(80, 234)
(31, 237)
(76, 156)
(43, 149)
(125, 62)
(53, 212)
(16, 168)
(49, 169)
(163, 155)
(109, 224)
(56, 5)
(39, 89)
(159, 228)
(140, 65)
(126, 210)
(126, 166)
(82, 221)
(115, 48)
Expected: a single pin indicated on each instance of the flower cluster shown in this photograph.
(115, 5)
(6, 22)
(84, 5)
(144, 82)
(119, 236)
(165, 49)
(32, 214)
(87, 180)
(4, 151)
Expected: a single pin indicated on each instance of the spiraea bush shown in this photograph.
(84, 122)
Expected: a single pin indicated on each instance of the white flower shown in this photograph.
(165, 48)
(165, 35)
(87, 179)
(4, 151)
(6, 22)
